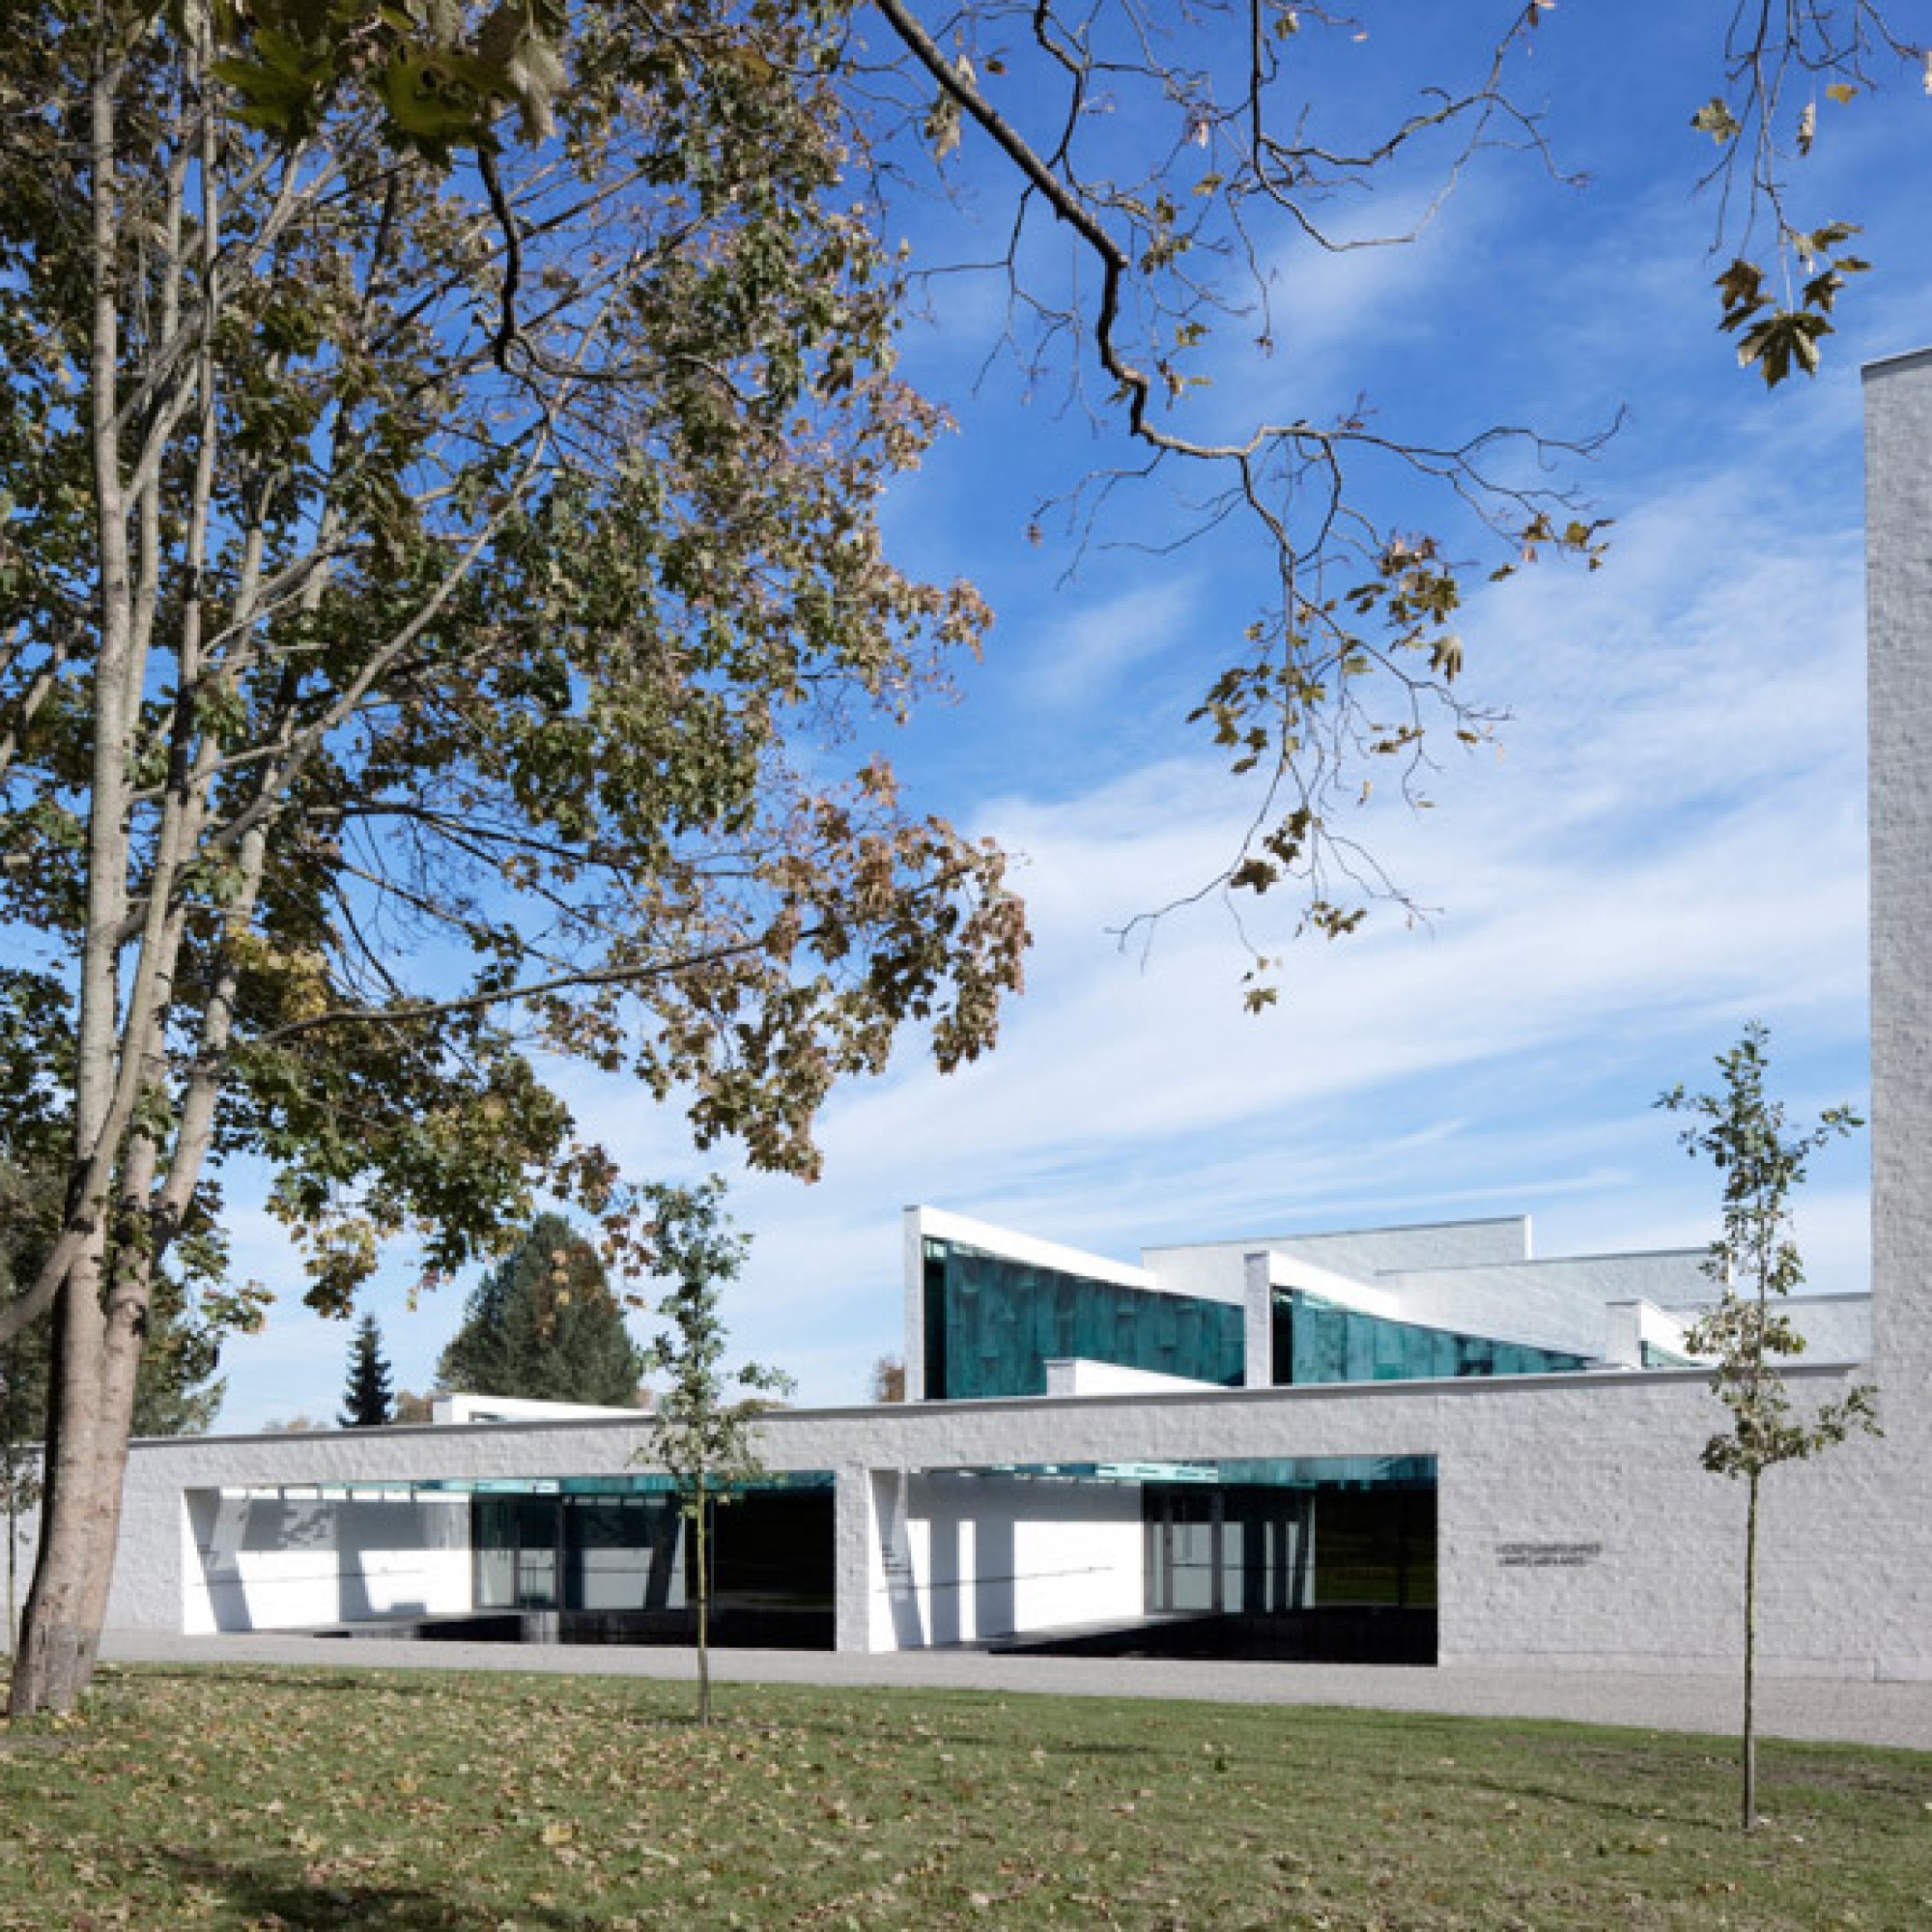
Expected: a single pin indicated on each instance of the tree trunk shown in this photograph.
(701, 1521)
(58, 1636)
(97, 1357)
(66, 1605)
(86, 1451)
(1749, 1755)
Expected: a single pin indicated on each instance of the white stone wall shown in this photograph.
(1075, 1375)
(1550, 1304)
(988, 1555)
(1576, 1525)
(1632, 1326)
(272, 1560)
(26, 1529)
(1834, 1327)
(1362, 1253)
(1898, 544)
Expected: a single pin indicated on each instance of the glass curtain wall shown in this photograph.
(610, 1544)
(1321, 1341)
(1655, 1355)
(1260, 1550)
(993, 1324)
(575, 1552)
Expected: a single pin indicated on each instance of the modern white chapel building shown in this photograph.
(1413, 1444)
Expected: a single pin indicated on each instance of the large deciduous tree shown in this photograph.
(441, 595)
(544, 1325)
(399, 691)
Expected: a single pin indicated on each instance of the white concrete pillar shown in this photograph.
(1898, 541)
(1258, 1321)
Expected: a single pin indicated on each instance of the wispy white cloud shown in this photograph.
(1670, 839)
(1080, 666)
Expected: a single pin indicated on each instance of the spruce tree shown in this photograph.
(368, 1392)
(544, 1326)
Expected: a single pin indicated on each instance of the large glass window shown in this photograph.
(1320, 1341)
(574, 1552)
(1655, 1355)
(1375, 1546)
(616, 1544)
(992, 1325)
(1331, 1538)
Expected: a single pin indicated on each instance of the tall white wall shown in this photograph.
(1898, 562)
(988, 1556)
(1898, 556)
(1577, 1526)
(1552, 1304)
(269, 1562)
(1213, 1269)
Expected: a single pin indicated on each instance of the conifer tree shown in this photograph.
(544, 1326)
(368, 1392)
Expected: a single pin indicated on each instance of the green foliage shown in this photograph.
(446, 625)
(542, 1324)
(177, 1389)
(706, 1442)
(1754, 1262)
(563, 693)
(441, 75)
(193, 1303)
(367, 1404)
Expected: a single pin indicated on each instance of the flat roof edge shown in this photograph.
(1885, 365)
(1257, 1242)
(1614, 1254)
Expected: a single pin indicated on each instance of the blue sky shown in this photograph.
(1666, 841)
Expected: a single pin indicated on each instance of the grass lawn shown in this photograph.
(265, 1798)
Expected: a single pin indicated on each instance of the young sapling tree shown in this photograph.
(1754, 1261)
(703, 1436)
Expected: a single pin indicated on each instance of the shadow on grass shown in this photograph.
(1686, 1811)
(396, 1679)
(276, 1892)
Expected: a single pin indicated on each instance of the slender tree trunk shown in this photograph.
(1750, 1655)
(702, 1522)
(80, 1503)
(13, 1468)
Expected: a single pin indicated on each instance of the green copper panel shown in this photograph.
(994, 1324)
(1318, 1341)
